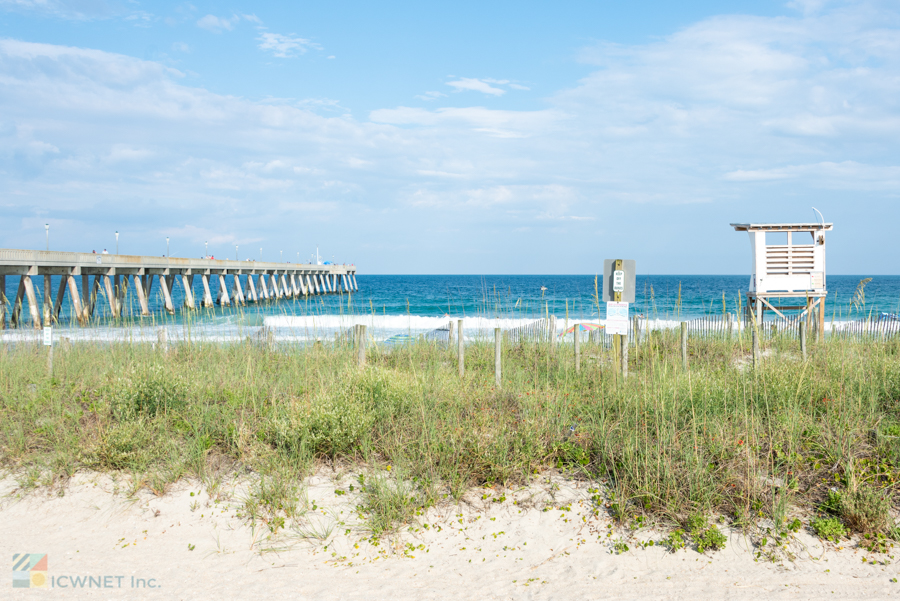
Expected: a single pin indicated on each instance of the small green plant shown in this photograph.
(695, 524)
(876, 543)
(675, 541)
(866, 510)
(829, 528)
(620, 547)
(711, 538)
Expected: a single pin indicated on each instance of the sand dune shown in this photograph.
(184, 546)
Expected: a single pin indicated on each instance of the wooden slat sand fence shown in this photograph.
(712, 326)
(882, 327)
(441, 334)
(783, 326)
(536, 331)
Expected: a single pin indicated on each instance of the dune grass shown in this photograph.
(718, 438)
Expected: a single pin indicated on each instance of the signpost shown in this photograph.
(618, 292)
(48, 341)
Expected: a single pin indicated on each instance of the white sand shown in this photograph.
(480, 550)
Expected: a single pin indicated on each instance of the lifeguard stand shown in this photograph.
(789, 270)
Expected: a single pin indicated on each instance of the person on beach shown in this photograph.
(105, 252)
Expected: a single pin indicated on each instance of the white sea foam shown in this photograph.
(301, 329)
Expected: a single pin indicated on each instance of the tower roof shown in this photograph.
(782, 227)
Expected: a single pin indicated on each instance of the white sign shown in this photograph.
(48, 336)
(617, 318)
(619, 281)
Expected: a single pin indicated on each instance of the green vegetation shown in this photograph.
(718, 439)
(829, 529)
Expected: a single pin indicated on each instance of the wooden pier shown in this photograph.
(251, 281)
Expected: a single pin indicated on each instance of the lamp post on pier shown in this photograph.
(282, 255)
(206, 249)
(167, 247)
(47, 227)
(260, 253)
(235, 252)
(117, 242)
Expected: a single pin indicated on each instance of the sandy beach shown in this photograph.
(537, 542)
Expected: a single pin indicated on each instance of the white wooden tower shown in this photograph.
(791, 270)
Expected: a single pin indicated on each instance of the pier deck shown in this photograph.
(251, 281)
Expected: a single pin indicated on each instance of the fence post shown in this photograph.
(684, 336)
(755, 342)
(552, 333)
(450, 335)
(162, 340)
(802, 326)
(577, 349)
(498, 338)
(624, 355)
(461, 349)
(361, 346)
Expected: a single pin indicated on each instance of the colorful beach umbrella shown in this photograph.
(583, 327)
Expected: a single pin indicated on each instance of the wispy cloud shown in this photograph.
(218, 24)
(476, 85)
(430, 96)
(285, 46)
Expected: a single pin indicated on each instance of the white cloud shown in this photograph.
(285, 46)
(428, 96)
(218, 24)
(476, 85)
(180, 47)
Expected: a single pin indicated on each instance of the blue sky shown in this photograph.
(451, 138)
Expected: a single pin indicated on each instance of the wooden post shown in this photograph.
(119, 288)
(361, 346)
(207, 295)
(95, 292)
(16, 317)
(802, 326)
(450, 334)
(48, 302)
(110, 295)
(252, 288)
(60, 294)
(162, 337)
(188, 292)
(684, 340)
(223, 288)
(32, 303)
(498, 340)
(238, 291)
(273, 284)
(624, 355)
(552, 333)
(461, 348)
(577, 349)
(755, 343)
(820, 334)
(2, 302)
(142, 298)
(164, 283)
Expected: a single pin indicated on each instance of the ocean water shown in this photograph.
(410, 304)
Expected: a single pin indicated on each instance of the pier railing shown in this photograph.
(250, 281)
